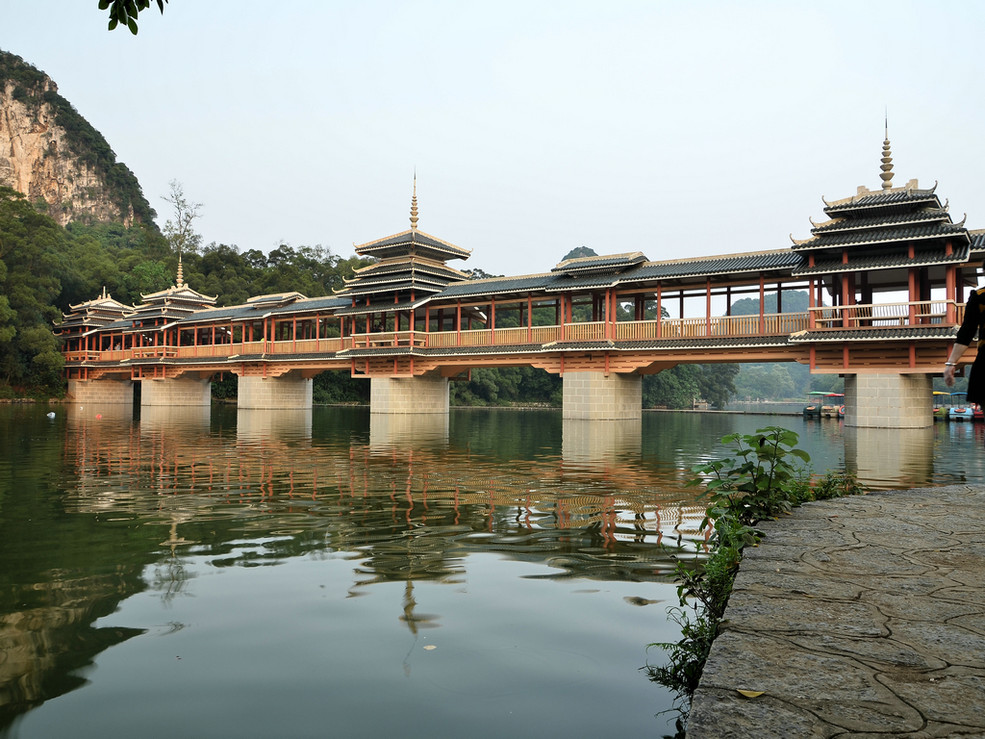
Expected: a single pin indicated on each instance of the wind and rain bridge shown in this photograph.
(886, 273)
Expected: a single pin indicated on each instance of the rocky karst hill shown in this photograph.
(51, 154)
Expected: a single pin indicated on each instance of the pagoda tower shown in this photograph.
(881, 248)
(390, 294)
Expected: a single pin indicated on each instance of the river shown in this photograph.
(332, 573)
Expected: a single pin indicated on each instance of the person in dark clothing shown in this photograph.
(974, 322)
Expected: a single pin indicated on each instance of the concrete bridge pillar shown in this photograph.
(101, 392)
(268, 393)
(403, 395)
(595, 396)
(889, 400)
(175, 391)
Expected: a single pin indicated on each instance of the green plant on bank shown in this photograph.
(764, 475)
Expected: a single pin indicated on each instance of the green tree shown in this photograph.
(717, 383)
(677, 387)
(32, 251)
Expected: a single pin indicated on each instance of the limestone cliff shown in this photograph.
(50, 153)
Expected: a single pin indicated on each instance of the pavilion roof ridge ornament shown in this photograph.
(413, 205)
(887, 161)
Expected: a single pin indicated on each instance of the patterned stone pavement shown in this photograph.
(858, 617)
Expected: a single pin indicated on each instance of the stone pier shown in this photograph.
(267, 393)
(101, 392)
(408, 395)
(596, 396)
(889, 400)
(175, 391)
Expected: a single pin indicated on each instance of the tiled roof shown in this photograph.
(363, 309)
(734, 263)
(396, 286)
(410, 264)
(777, 260)
(977, 240)
(608, 263)
(923, 215)
(704, 343)
(923, 257)
(865, 236)
(874, 334)
(412, 241)
(498, 286)
(872, 200)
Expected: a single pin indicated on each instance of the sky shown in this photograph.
(678, 129)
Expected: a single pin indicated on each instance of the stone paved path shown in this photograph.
(859, 617)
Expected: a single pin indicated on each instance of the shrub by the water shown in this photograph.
(764, 476)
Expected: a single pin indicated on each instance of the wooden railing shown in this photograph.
(669, 329)
(773, 324)
(919, 312)
(385, 338)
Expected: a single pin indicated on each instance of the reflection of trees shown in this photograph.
(46, 646)
(58, 572)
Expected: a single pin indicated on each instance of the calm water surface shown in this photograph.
(332, 573)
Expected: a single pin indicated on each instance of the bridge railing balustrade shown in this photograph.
(882, 315)
(590, 331)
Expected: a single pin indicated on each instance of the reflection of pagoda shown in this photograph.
(411, 267)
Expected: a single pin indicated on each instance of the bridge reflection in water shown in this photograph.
(890, 457)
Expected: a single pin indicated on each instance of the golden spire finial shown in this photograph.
(413, 205)
(887, 160)
(180, 281)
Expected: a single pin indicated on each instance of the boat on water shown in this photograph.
(834, 405)
(814, 401)
(821, 404)
(968, 412)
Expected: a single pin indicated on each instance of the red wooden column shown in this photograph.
(950, 286)
(845, 302)
(762, 301)
(660, 312)
(610, 315)
(492, 321)
(561, 312)
(811, 302)
(707, 306)
(530, 318)
(912, 279)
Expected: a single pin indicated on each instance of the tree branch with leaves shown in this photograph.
(124, 12)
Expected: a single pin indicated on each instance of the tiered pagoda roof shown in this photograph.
(883, 225)
(411, 267)
(93, 314)
(174, 303)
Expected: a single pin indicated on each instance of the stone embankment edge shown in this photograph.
(855, 617)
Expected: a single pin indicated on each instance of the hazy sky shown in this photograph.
(672, 128)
